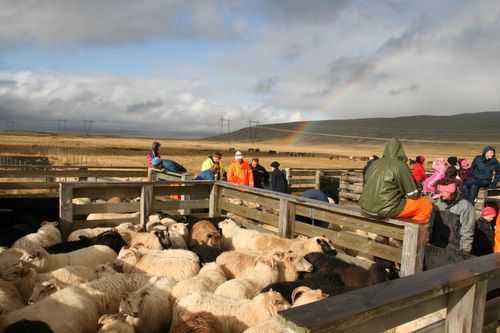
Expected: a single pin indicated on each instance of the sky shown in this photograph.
(176, 68)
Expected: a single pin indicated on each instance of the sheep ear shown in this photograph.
(138, 245)
(124, 296)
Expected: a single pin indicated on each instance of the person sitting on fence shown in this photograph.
(260, 174)
(210, 161)
(453, 161)
(452, 220)
(484, 234)
(390, 190)
(167, 165)
(278, 179)
(315, 195)
(481, 173)
(439, 166)
(464, 171)
(156, 163)
(209, 174)
(418, 171)
(371, 159)
(239, 171)
(155, 152)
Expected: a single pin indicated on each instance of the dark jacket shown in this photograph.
(484, 238)
(278, 181)
(260, 176)
(388, 183)
(315, 194)
(451, 225)
(205, 175)
(482, 168)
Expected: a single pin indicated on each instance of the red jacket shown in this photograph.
(240, 173)
(418, 172)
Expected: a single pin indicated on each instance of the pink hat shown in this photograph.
(488, 211)
(451, 188)
(464, 164)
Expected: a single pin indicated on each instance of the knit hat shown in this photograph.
(275, 164)
(156, 161)
(488, 211)
(155, 145)
(238, 155)
(464, 164)
(420, 159)
(452, 160)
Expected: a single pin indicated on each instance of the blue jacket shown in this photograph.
(482, 168)
(205, 175)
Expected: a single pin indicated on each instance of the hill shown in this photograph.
(483, 127)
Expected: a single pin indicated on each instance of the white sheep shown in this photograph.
(208, 279)
(197, 322)
(232, 233)
(268, 326)
(10, 257)
(111, 216)
(90, 257)
(155, 220)
(149, 307)
(92, 232)
(235, 315)
(156, 239)
(47, 235)
(115, 323)
(179, 264)
(81, 201)
(304, 295)
(10, 299)
(251, 283)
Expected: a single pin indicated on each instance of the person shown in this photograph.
(155, 152)
(260, 174)
(452, 220)
(464, 171)
(239, 171)
(371, 159)
(418, 171)
(481, 173)
(453, 161)
(484, 234)
(209, 174)
(496, 249)
(439, 166)
(390, 190)
(157, 163)
(278, 179)
(315, 194)
(211, 160)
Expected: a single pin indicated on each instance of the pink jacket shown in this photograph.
(439, 166)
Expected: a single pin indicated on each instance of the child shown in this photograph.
(439, 166)
(484, 232)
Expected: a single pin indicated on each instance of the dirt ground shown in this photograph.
(128, 151)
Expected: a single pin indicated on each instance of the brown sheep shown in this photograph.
(205, 233)
(198, 322)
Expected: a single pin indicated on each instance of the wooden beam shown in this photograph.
(412, 257)
(286, 219)
(250, 213)
(317, 179)
(147, 196)
(65, 209)
(123, 207)
(179, 204)
(214, 206)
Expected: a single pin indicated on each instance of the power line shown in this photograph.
(252, 124)
(10, 124)
(61, 124)
(87, 124)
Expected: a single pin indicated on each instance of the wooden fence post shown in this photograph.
(466, 307)
(186, 211)
(146, 203)
(152, 175)
(65, 209)
(288, 174)
(317, 179)
(214, 209)
(412, 255)
(286, 221)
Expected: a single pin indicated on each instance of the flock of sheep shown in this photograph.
(167, 277)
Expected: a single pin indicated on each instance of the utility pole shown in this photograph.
(252, 124)
(61, 125)
(87, 124)
(223, 120)
(10, 124)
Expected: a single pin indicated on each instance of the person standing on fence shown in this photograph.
(155, 152)
(260, 174)
(215, 158)
(452, 220)
(390, 190)
(481, 173)
(484, 234)
(239, 171)
(278, 179)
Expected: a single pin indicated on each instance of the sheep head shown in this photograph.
(132, 303)
(213, 239)
(322, 244)
(300, 263)
(126, 258)
(271, 302)
(18, 273)
(35, 258)
(105, 269)
(42, 290)
(304, 295)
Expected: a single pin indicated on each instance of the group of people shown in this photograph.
(391, 191)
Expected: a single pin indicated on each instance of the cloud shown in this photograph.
(411, 88)
(265, 85)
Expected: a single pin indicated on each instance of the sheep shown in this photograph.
(235, 315)
(25, 278)
(105, 269)
(236, 263)
(231, 231)
(250, 284)
(47, 235)
(10, 257)
(115, 323)
(76, 309)
(155, 220)
(9, 234)
(111, 216)
(10, 299)
(23, 326)
(205, 233)
(156, 239)
(109, 238)
(81, 201)
(179, 264)
(208, 279)
(206, 253)
(268, 326)
(198, 322)
(91, 232)
(149, 307)
(90, 257)
(305, 295)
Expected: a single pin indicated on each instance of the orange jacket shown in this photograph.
(497, 235)
(240, 173)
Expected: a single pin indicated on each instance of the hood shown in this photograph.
(394, 149)
(488, 148)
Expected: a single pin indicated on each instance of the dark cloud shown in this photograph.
(299, 11)
(347, 70)
(8, 83)
(144, 107)
(266, 85)
(411, 88)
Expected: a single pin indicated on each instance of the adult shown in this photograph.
(260, 174)
(452, 220)
(484, 234)
(464, 171)
(155, 152)
(215, 158)
(239, 171)
(371, 159)
(390, 190)
(209, 174)
(481, 173)
(418, 171)
(278, 179)
(315, 194)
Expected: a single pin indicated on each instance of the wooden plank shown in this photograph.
(354, 223)
(202, 189)
(250, 213)
(123, 207)
(133, 191)
(294, 181)
(302, 173)
(347, 312)
(28, 185)
(80, 224)
(147, 196)
(214, 206)
(351, 179)
(355, 187)
(71, 173)
(65, 209)
(286, 220)
(466, 308)
(412, 257)
(179, 204)
(251, 197)
(349, 195)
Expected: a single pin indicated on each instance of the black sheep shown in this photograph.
(33, 326)
(206, 253)
(109, 238)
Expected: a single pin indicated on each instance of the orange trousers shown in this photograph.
(497, 235)
(418, 210)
